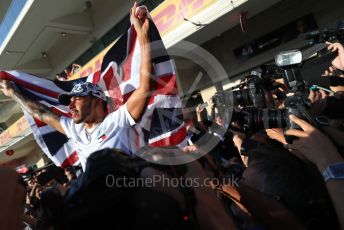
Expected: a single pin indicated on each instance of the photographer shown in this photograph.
(315, 147)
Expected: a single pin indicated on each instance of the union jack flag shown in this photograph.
(161, 124)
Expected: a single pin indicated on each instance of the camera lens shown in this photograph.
(252, 119)
(241, 97)
(275, 118)
(260, 119)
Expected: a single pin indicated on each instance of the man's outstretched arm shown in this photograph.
(34, 108)
(137, 103)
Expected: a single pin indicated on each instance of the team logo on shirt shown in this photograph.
(101, 138)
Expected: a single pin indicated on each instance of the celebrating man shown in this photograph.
(91, 128)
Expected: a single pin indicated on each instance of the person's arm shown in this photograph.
(238, 139)
(33, 191)
(317, 148)
(137, 103)
(212, 113)
(34, 108)
(198, 113)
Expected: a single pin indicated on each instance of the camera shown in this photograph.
(252, 119)
(250, 92)
(255, 116)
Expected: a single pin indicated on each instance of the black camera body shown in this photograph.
(297, 105)
(256, 92)
(250, 92)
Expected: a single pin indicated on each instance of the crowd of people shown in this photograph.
(298, 174)
(257, 179)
